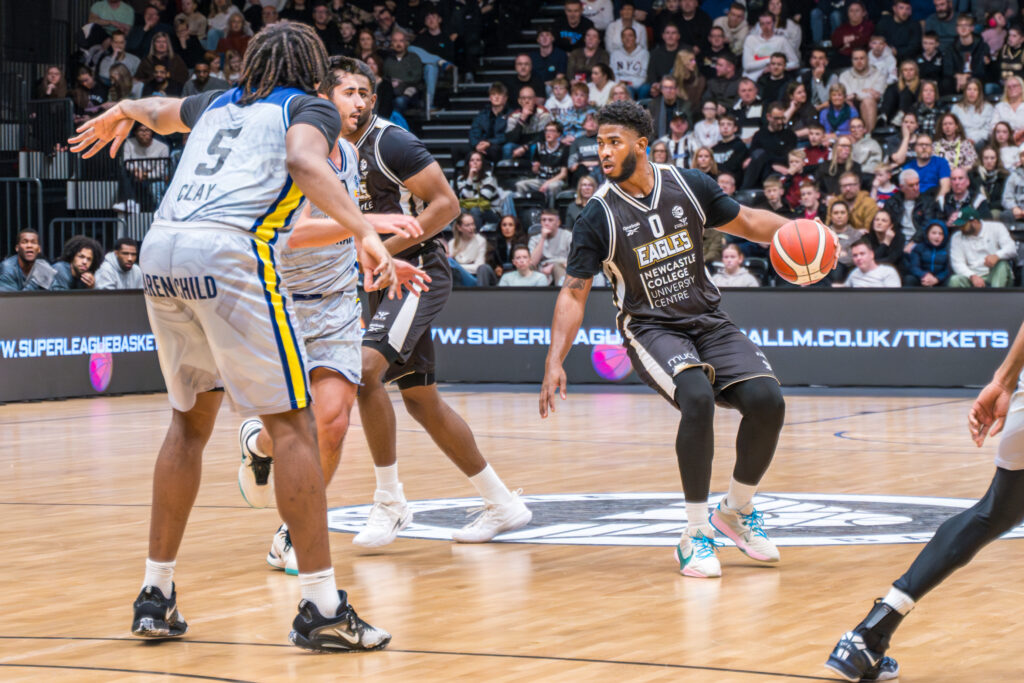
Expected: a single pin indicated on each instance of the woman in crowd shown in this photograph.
(928, 108)
(908, 139)
(385, 91)
(1011, 107)
(232, 66)
(477, 189)
(587, 186)
(659, 153)
(800, 113)
(601, 84)
(122, 85)
(53, 86)
(467, 255)
(367, 44)
(236, 37)
(975, 113)
(951, 143)
(734, 274)
(620, 93)
(902, 95)
(886, 241)
(221, 12)
(689, 81)
(509, 235)
(1002, 140)
(837, 115)
(990, 175)
(704, 160)
(161, 52)
(839, 221)
(841, 162)
(89, 96)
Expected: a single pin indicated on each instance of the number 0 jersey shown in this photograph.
(651, 248)
(324, 270)
(222, 181)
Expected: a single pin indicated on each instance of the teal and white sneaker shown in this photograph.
(746, 531)
(697, 556)
(282, 554)
(254, 479)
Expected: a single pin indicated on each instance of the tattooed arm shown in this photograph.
(572, 301)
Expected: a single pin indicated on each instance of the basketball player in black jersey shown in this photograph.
(859, 654)
(398, 174)
(644, 228)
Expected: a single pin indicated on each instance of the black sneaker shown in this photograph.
(854, 661)
(156, 616)
(885, 670)
(345, 632)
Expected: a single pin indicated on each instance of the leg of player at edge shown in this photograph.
(503, 510)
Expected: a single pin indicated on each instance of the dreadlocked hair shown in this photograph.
(628, 114)
(346, 65)
(285, 54)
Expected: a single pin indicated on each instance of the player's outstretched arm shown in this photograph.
(756, 225)
(320, 232)
(569, 308)
(161, 114)
(988, 413)
(432, 187)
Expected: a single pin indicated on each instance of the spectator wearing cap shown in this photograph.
(666, 106)
(980, 252)
(927, 264)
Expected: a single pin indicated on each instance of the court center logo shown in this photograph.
(657, 519)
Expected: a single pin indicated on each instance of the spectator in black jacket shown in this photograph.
(910, 209)
(663, 57)
(694, 24)
(569, 29)
(487, 133)
(887, 240)
(901, 32)
(730, 154)
(325, 27)
(771, 145)
(966, 58)
(724, 88)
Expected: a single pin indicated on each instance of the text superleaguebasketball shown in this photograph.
(41, 347)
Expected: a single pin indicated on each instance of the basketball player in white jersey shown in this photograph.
(860, 654)
(321, 277)
(220, 317)
(644, 229)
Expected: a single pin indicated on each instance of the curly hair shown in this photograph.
(78, 243)
(628, 114)
(285, 54)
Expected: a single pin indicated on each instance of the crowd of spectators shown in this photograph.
(900, 125)
(82, 266)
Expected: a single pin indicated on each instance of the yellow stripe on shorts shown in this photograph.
(287, 343)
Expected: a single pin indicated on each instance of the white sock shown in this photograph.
(490, 486)
(740, 496)
(899, 601)
(697, 519)
(319, 588)
(161, 575)
(251, 444)
(387, 480)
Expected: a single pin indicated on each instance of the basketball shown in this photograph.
(101, 369)
(803, 252)
(610, 361)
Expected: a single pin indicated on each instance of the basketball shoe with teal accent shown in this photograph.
(746, 531)
(697, 556)
(254, 479)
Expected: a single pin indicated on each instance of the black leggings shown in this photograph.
(960, 537)
(759, 401)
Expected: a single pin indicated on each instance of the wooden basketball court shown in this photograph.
(75, 493)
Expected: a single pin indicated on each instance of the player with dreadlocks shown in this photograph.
(220, 317)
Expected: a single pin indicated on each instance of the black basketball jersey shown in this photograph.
(651, 248)
(388, 156)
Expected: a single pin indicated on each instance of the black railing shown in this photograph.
(22, 207)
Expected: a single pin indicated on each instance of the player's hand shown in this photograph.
(378, 265)
(410, 277)
(95, 133)
(394, 224)
(988, 413)
(554, 383)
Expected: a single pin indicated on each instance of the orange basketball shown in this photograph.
(803, 252)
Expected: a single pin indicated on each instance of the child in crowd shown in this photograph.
(882, 187)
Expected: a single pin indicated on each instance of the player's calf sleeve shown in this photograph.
(695, 440)
(960, 537)
(760, 402)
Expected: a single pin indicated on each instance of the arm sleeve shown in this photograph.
(406, 155)
(589, 242)
(719, 208)
(318, 113)
(956, 257)
(192, 107)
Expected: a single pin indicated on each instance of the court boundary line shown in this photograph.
(68, 667)
(443, 653)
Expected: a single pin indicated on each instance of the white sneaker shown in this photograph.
(388, 516)
(494, 519)
(281, 549)
(696, 556)
(254, 480)
(746, 531)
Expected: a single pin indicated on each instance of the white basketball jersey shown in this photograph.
(232, 172)
(323, 270)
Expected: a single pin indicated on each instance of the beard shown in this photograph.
(628, 169)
